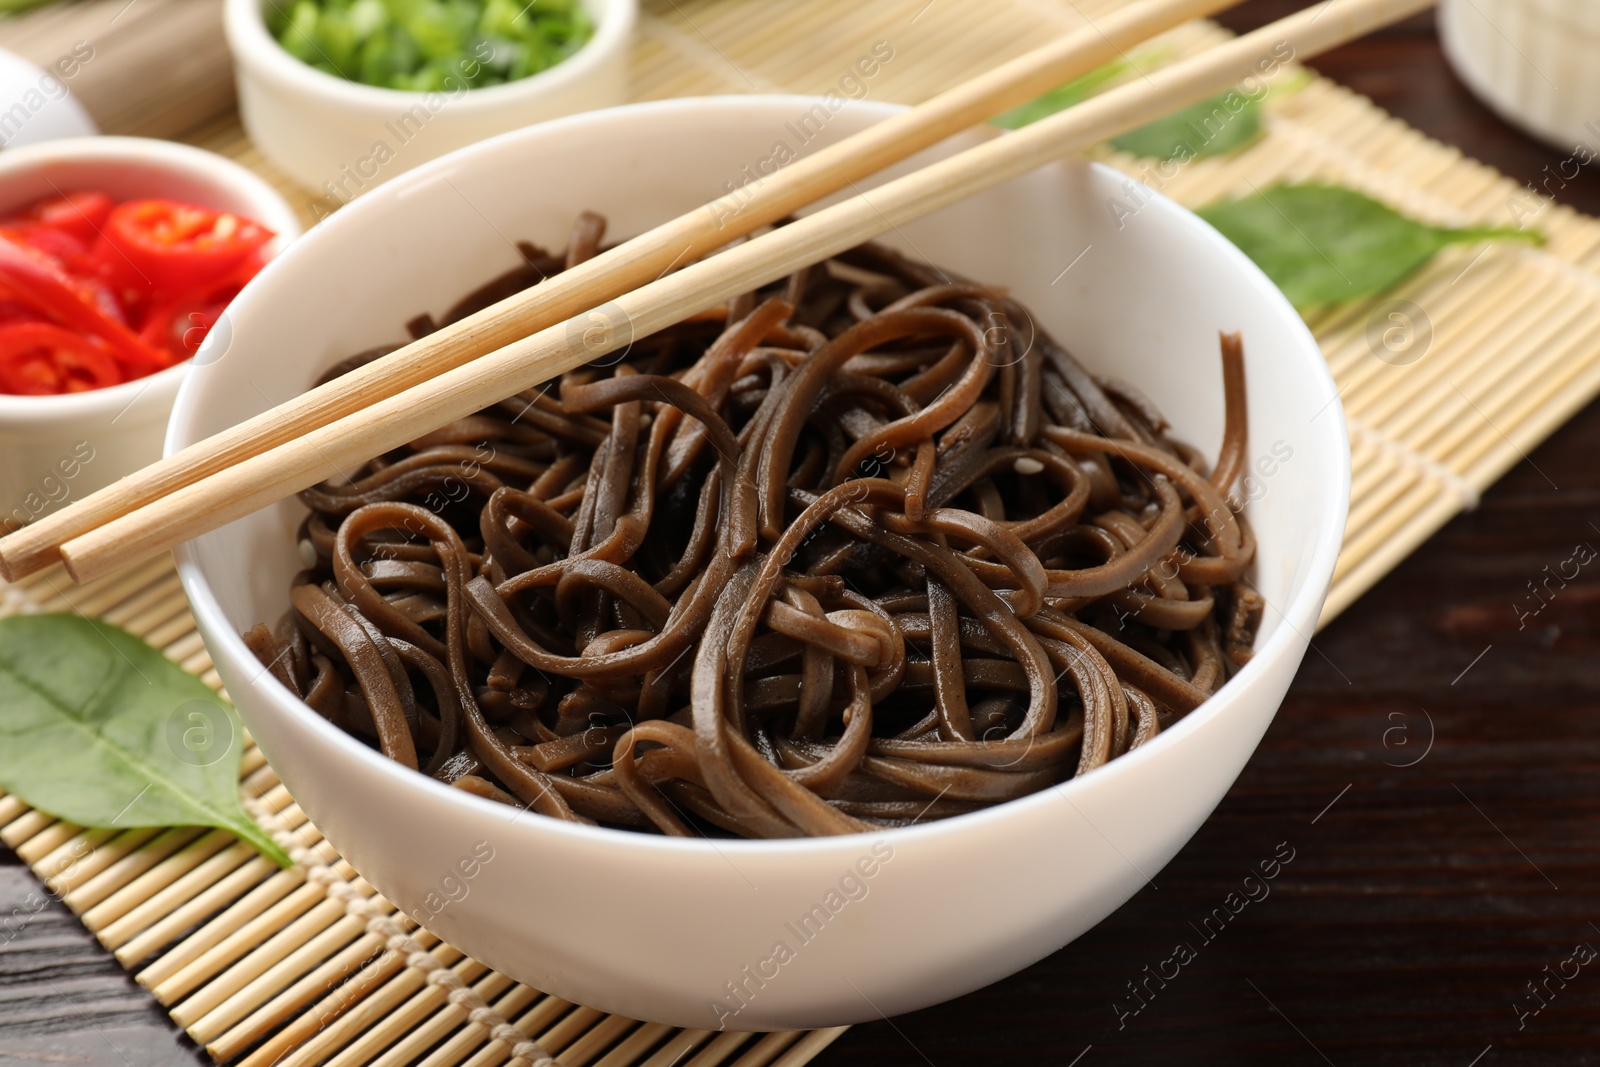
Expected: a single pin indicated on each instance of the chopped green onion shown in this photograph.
(429, 45)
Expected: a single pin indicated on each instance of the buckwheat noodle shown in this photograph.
(864, 548)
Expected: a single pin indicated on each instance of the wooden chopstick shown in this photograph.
(389, 423)
(616, 271)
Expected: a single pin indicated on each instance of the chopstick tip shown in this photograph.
(22, 554)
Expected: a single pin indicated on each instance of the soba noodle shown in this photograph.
(863, 548)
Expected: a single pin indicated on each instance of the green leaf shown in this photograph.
(1224, 123)
(1062, 96)
(100, 729)
(1323, 244)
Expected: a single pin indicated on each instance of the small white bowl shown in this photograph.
(1535, 62)
(56, 448)
(342, 138)
(49, 111)
(656, 928)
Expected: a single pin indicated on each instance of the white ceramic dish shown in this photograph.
(55, 448)
(1536, 62)
(48, 112)
(343, 138)
(656, 928)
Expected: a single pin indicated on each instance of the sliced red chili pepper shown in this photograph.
(63, 247)
(33, 278)
(179, 326)
(180, 248)
(249, 268)
(79, 214)
(40, 358)
(138, 285)
(72, 261)
(14, 310)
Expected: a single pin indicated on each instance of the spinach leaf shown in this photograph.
(1322, 244)
(1062, 96)
(99, 728)
(1224, 123)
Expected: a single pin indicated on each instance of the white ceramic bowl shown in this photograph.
(55, 448)
(49, 111)
(1535, 62)
(326, 132)
(654, 927)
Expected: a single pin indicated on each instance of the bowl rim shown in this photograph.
(252, 45)
(270, 209)
(1297, 618)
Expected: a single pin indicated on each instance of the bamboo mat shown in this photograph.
(310, 966)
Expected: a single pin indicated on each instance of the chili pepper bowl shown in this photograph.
(787, 933)
(59, 448)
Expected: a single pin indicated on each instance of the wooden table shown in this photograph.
(1433, 772)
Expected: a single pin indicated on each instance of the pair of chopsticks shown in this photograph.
(581, 314)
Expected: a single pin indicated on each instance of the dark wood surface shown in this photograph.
(1421, 901)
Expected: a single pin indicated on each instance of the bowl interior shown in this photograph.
(1136, 292)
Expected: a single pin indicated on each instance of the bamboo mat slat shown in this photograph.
(310, 966)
